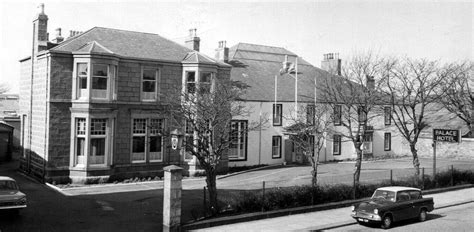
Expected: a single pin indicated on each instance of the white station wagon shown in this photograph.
(10, 196)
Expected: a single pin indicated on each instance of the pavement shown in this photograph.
(334, 218)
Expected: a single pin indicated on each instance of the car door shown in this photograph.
(416, 202)
(403, 206)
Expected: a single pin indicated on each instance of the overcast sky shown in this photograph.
(437, 30)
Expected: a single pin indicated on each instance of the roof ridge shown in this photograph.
(68, 41)
(268, 46)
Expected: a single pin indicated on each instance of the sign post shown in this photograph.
(443, 135)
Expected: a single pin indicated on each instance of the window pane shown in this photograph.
(149, 86)
(82, 82)
(155, 143)
(205, 78)
(80, 146)
(191, 87)
(277, 115)
(98, 126)
(97, 146)
(99, 83)
(99, 70)
(138, 144)
(80, 126)
(82, 69)
(139, 126)
(149, 74)
(156, 126)
(190, 76)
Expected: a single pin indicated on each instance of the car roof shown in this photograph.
(397, 188)
(6, 178)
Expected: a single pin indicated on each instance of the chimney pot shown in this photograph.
(193, 41)
(41, 9)
(222, 52)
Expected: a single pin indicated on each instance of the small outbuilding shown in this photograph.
(6, 141)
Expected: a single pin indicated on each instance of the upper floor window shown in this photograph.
(337, 116)
(82, 73)
(190, 82)
(98, 84)
(100, 76)
(149, 84)
(388, 115)
(205, 82)
(277, 114)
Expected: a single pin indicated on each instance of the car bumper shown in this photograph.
(366, 217)
(13, 207)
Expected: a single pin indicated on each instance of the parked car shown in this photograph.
(10, 196)
(392, 204)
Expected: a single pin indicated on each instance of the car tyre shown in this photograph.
(387, 222)
(423, 215)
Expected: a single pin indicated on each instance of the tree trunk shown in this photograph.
(416, 162)
(212, 190)
(314, 172)
(357, 169)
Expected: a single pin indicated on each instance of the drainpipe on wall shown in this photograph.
(46, 141)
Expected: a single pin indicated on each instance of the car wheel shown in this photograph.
(387, 222)
(423, 215)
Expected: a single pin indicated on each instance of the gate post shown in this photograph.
(172, 198)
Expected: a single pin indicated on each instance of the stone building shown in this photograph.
(92, 105)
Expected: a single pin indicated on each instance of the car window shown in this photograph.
(387, 195)
(403, 196)
(415, 195)
(8, 185)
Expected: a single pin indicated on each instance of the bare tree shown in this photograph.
(412, 85)
(458, 97)
(207, 112)
(308, 134)
(353, 97)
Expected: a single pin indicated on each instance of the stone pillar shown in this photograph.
(172, 198)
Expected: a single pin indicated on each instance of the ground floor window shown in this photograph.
(336, 145)
(238, 140)
(387, 145)
(92, 141)
(147, 140)
(276, 147)
(367, 143)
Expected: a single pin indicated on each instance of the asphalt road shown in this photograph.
(455, 218)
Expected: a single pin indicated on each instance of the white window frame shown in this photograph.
(277, 114)
(336, 144)
(387, 141)
(82, 93)
(142, 134)
(276, 148)
(101, 94)
(94, 159)
(80, 131)
(188, 82)
(148, 132)
(337, 115)
(207, 83)
(149, 96)
(241, 141)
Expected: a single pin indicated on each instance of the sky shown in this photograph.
(435, 30)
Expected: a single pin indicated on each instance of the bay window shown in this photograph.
(99, 84)
(91, 141)
(190, 82)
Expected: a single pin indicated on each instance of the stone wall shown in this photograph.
(463, 150)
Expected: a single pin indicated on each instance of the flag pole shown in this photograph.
(296, 89)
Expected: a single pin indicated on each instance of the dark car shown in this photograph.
(392, 204)
(10, 196)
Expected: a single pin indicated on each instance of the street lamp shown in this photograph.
(176, 138)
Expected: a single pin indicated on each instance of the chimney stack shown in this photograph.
(331, 63)
(58, 38)
(192, 41)
(222, 52)
(40, 30)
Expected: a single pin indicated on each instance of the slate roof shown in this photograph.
(257, 66)
(129, 44)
